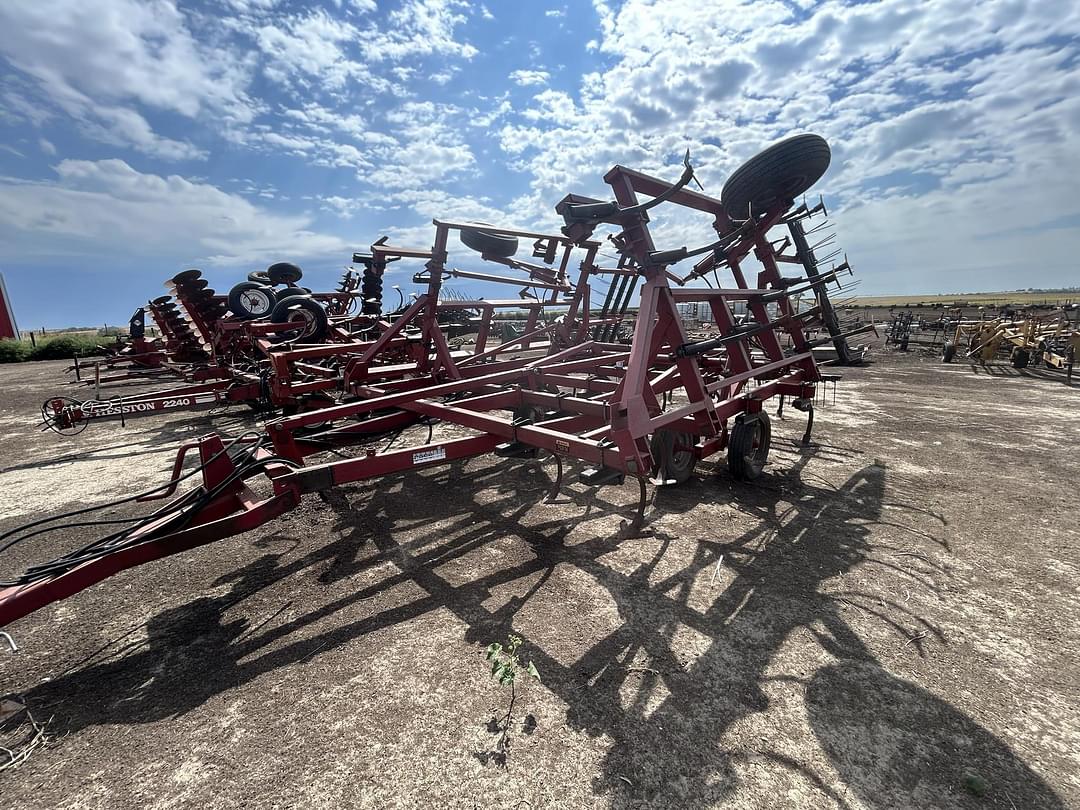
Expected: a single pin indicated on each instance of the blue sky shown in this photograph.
(143, 137)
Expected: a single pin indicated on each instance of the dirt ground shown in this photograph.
(887, 619)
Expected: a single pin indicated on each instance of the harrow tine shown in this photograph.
(824, 225)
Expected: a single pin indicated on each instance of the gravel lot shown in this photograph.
(888, 619)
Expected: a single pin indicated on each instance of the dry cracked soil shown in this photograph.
(885, 619)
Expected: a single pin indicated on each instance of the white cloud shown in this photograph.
(927, 107)
(93, 61)
(107, 207)
(528, 77)
(312, 47)
(421, 27)
(122, 126)
(940, 120)
(344, 207)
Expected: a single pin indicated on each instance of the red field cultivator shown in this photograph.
(565, 386)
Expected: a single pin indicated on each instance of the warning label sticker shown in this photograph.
(427, 456)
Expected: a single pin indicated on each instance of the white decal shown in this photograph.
(425, 456)
(96, 408)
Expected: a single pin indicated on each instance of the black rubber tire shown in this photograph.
(259, 277)
(748, 446)
(492, 244)
(300, 308)
(948, 352)
(292, 292)
(776, 176)
(1020, 358)
(672, 462)
(249, 300)
(284, 273)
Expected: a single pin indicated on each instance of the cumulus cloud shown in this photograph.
(527, 77)
(94, 62)
(945, 125)
(935, 116)
(107, 207)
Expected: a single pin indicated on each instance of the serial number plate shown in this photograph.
(562, 446)
(427, 456)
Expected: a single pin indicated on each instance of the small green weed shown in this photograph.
(506, 666)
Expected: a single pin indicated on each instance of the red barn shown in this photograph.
(8, 327)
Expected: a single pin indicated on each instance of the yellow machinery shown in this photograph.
(1050, 339)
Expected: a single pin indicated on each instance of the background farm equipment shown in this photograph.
(216, 344)
(563, 388)
(1048, 339)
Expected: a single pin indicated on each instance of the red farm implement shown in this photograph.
(566, 385)
(215, 345)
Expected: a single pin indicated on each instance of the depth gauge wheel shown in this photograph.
(948, 352)
(748, 446)
(1020, 358)
(779, 174)
(673, 452)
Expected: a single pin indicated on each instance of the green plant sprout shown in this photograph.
(505, 669)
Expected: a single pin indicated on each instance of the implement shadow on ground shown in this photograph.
(889, 741)
(1031, 372)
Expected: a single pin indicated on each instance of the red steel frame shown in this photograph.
(567, 393)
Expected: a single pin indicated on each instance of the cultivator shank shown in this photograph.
(567, 385)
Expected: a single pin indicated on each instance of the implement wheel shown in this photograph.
(251, 300)
(748, 446)
(284, 273)
(308, 315)
(948, 352)
(776, 176)
(1020, 357)
(492, 244)
(673, 452)
(55, 416)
